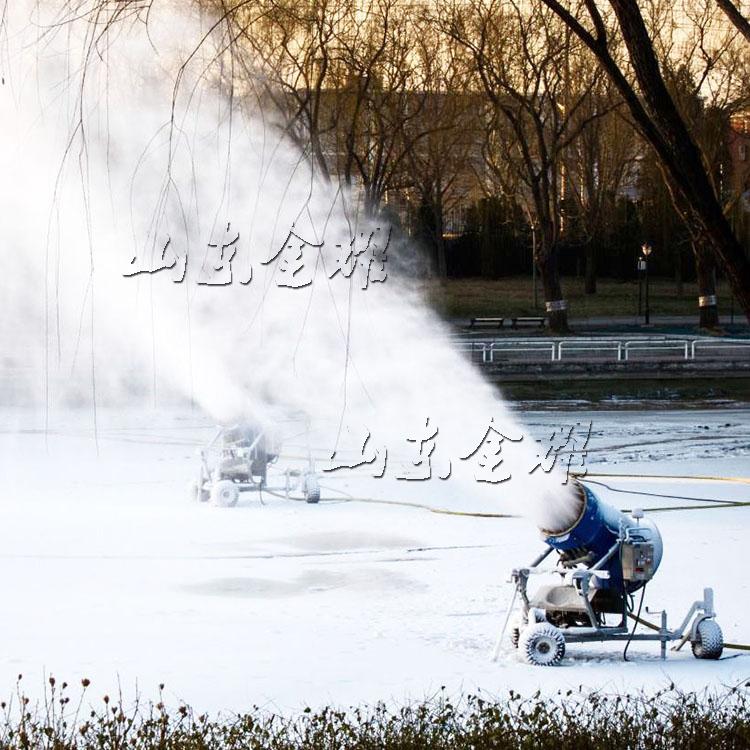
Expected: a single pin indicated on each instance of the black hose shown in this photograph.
(635, 623)
(659, 494)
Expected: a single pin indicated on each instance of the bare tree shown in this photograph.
(524, 61)
(598, 164)
(440, 165)
(707, 79)
(659, 121)
(345, 82)
(690, 54)
(383, 122)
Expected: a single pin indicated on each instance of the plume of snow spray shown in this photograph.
(101, 173)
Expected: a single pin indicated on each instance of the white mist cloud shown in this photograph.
(76, 330)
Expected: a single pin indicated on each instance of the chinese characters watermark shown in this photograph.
(295, 262)
(491, 458)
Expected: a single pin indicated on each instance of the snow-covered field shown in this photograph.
(109, 572)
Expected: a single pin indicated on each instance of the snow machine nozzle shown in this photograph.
(629, 548)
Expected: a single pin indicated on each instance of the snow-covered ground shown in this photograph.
(109, 572)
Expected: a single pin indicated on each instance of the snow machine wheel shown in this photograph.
(224, 494)
(542, 644)
(197, 493)
(709, 641)
(312, 489)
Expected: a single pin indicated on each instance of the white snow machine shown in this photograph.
(241, 459)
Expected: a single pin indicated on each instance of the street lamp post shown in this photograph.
(646, 250)
(533, 265)
(641, 266)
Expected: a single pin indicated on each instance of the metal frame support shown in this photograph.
(701, 609)
(704, 610)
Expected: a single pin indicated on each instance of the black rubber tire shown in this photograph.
(709, 641)
(542, 644)
(312, 489)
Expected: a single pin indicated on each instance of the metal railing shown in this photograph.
(657, 346)
(719, 344)
(589, 345)
(487, 351)
(624, 349)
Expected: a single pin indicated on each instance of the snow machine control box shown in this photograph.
(637, 561)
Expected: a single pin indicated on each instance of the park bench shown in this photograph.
(528, 321)
(477, 322)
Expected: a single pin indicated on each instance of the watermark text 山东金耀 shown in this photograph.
(492, 456)
(294, 263)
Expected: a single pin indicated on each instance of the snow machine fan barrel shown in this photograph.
(634, 545)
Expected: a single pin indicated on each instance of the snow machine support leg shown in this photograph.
(703, 609)
(520, 577)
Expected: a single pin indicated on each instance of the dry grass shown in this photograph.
(465, 298)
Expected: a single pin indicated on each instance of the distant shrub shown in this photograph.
(583, 720)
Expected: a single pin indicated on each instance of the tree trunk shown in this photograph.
(678, 275)
(555, 305)
(705, 268)
(590, 280)
(372, 201)
(442, 261)
(736, 17)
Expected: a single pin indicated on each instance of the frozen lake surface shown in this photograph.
(110, 573)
